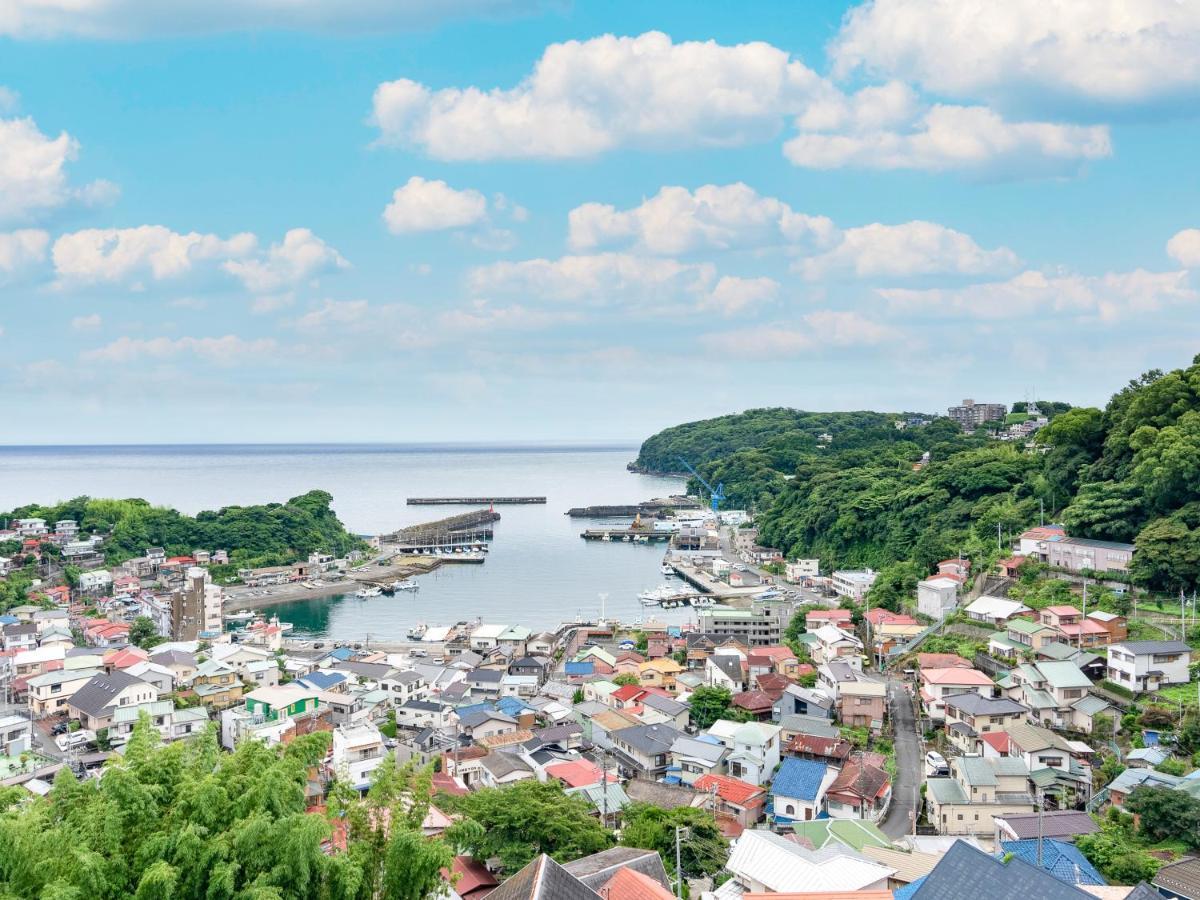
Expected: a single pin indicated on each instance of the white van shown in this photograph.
(75, 739)
(935, 765)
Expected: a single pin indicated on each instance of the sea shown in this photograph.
(539, 571)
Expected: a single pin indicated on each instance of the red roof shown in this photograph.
(731, 790)
(577, 773)
(1087, 626)
(180, 560)
(879, 616)
(827, 615)
(447, 784)
(941, 661)
(1063, 610)
(627, 692)
(754, 701)
(817, 745)
(629, 884)
(126, 657)
(474, 880)
(997, 740)
(955, 675)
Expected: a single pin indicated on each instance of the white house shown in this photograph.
(357, 752)
(995, 611)
(765, 862)
(95, 582)
(753, 748)
(1148, 665)
(853, 583)
(801, 569)
(937, 596)
(833, 643)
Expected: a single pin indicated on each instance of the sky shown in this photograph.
(393, 220)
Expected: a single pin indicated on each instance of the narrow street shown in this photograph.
(906, 791)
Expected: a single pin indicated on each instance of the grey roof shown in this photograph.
(973, 705)
(809, 695)
(62, 676)
(652, 739)
(1181, 879)
(373, 671)
(485, 676)
(708, 751)
(423, 705)
(501, 764)
(967, 872)
(100, 691)
(526, 662)
(406, 677)
(479, 716)
(1140, 647)
(657, 793)
(595, 870)
(20, 628)
(543, 879)
(174, 658)
(664, 705)
(814, 725)
(1060, 823)
(730, 664)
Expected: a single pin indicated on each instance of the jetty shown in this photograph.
(656, 507)
(466, 531)
(626, 535)
(471, 501)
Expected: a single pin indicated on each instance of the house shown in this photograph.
(471, 878)
(692, 757)
(50, 692)
(829, 749)
(159, 676)
(217, 684)
(1029, 635)
(754, 748)
(356, 753)
(94, 703)
(644, 750)
(659, 673)
(172, 724)
(861, 790)
(798, 790)
(801, 701)
(1179, 879)
(1117, 626)
(769, 863)
(1086, 555)
(965, 871)
(756, 704)
(733, 798)
(423, 714)
(500, 768)
(1049, 689)
(995, 611)
(852, 583)
(544, 879)
(938, 684)
(1148, 665)
(181, 663)
(284, 701)
(1061, 859)
(976, 791)
(16, 735)
(1052, 761)
(726, 670)
(833, 643)
(970, 715)
(937, 597)
(815, 618)
(1057, 824)
(484, 723)
(1074, 628)
(863, 704)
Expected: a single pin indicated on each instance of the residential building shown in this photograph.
(1049, 689)
(272, 704)
(863, 704)
(733, 798)
(760, 626)
(852, 583)
(171, 724)
(995, 611)
(798, 790)
(1030, 635)
(196, 606)
(754, 748)
(644, 750)
(95, 702)
(766, 863)
(861, 790)
(356, 753)
(1148, 665)
(16, 735)
(977, 791)
(937, 597)
(969, 415)
(692, 757)
(966, 871)
(1074, 628)
(938, 684)
(1117, 626)
(969, 715)
(834, 643)
(1086, 555)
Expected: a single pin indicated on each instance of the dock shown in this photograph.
(655, 507)
(472, 501)
(626, 535)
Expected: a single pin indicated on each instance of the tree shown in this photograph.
(650, 827)
(626, 678)
(1166, 814)
(518, 822)
(709, 703)
(1114, 851)
(142, 633)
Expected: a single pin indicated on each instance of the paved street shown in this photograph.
(909, 766)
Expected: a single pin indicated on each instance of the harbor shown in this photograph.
(473, 501)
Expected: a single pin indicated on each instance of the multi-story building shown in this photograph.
(970, 415)
(196, 607)
(976, 792)
(1083, 554)
(853, 583)
(1148, 665)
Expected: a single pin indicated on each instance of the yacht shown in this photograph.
(367, 592)
(667, 570)
(405, 586)
(244, 616)
(663, 595)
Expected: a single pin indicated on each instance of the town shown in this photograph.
(1029, 728)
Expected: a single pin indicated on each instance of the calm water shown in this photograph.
(539, 572)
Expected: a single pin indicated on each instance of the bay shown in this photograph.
(539, 571)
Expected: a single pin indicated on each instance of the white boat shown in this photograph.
(668, 571)
(664, 594)
(244, 616)
(704, 601)
(285, 627)
(405, 586)
(367, 592)
(417, 631)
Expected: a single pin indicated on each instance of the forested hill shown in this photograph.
(266, 534)
(1129, 471)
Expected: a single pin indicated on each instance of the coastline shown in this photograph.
(240, 598)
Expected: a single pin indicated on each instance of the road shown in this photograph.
(906, 790)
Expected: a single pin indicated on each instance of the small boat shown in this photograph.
(417, 631)
(367, 592)
(607, 537)
(668, 571)
(285, 627)
(405, 586)
(703, 601)
(244, 616)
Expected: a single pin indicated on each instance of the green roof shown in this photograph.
(1024, 626)
(1003, 640)
(946, 790)
(853, 833)
(976, 771)
(1063, 674)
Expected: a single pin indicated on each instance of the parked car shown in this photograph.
(936, 765)
(75, 740)
(60, 727)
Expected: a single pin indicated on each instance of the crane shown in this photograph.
(716, 494)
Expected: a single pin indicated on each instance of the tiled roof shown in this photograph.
(1062, 860)
(731, 790)
(799, 778)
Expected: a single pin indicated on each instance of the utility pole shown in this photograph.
(680, 832)
(999, 536)
(1041, 807)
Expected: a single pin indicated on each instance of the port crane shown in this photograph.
(716, 494)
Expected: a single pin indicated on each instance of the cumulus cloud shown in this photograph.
(133, 18)
(422, 205)
(1184, 248)
(226, 350)
(154, 253)
(1107, 52)
(713, 217)
(301, 256)
(9, 99)
(586, 97)
(21, 251)
(33, 177)
(816, 331)
(1107, 298)
(913, 248)
(946, 138)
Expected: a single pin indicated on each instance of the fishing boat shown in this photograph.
(405, 586)
(417, 631)
(668, 571)
(244, 616)
(365, 593)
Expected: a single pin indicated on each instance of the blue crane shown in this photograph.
(716, 494)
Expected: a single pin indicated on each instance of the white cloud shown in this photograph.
(134, 18)
(733, 295)
(1108, 298)
(483, 316)
(352, 314)
(1098, 51)
(816, 331)
(86, 323)
(21, 250)
(586, 97)
(9, 99)
(33, 178)
(949, 138)
(913, 248)
(422, 205)
(155, 253)
(713, 217)
(226, 350)
(300, 257)
(1184, 248)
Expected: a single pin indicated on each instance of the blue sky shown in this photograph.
(533, 220)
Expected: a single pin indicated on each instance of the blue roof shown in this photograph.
(474, 708)
(906, 891)
(322, 681)
(9, 620)
(511, 706)
(1062, 860)
(341, 653)
(799, 778)
(579, 668)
